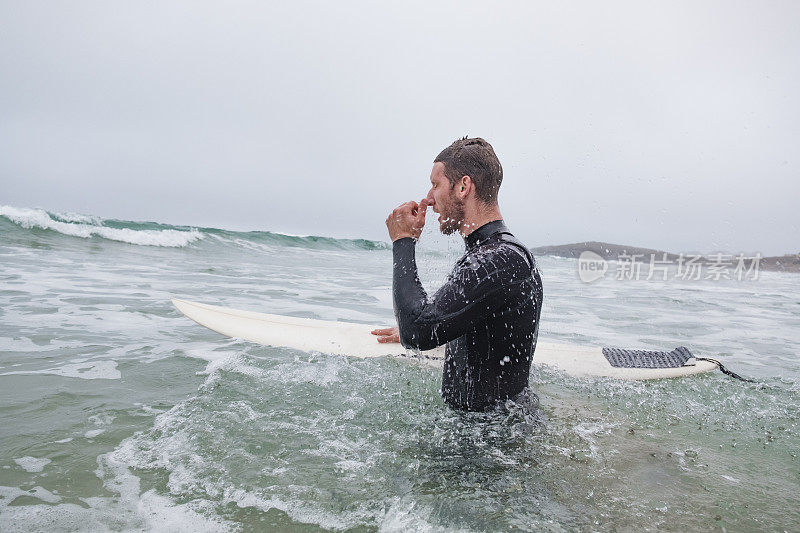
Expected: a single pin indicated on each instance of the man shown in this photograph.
(488, 309)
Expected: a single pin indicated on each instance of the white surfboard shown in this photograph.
(355, 340)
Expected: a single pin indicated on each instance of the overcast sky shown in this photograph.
(673, 125)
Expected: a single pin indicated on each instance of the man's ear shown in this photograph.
(464, 186)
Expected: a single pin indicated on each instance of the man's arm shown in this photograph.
(408, 295)
(405, 222)
(478, 287)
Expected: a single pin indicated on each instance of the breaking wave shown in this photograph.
(84, 226)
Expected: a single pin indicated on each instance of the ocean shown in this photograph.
(118, 413)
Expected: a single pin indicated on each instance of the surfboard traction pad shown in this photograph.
(622, 358)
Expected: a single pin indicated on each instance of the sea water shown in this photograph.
(118, 413)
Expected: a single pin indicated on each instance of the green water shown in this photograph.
(117, 413)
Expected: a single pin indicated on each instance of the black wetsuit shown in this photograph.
(487, 312)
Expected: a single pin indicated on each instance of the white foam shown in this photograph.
(92, 433)
(79, 218)
(32, 464)
(133, 512)
(219, 359)
(147, 409)
(24, 344)
(9, 494)
(406, 514)
(590, 431)
(297, 511)
(102, 419)
(129, 510)
(169, 450)
(323, 372)
(224, 360)
(38, 218)
(87, 370)
(293, 235)
(209, 354)
(44, 495)
(160, 512)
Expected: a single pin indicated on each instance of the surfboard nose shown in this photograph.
(181, 305)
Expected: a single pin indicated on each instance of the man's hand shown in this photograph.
(387, 334)
(407, 220)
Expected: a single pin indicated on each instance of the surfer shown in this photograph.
(487, 312)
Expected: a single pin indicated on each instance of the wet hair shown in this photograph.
(473, 157)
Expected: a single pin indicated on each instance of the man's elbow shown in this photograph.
(414, 339)
(408, 339)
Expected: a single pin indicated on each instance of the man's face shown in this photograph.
(444, 201)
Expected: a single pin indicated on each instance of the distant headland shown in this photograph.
(612, 252)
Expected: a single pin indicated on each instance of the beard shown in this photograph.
(452, 217)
